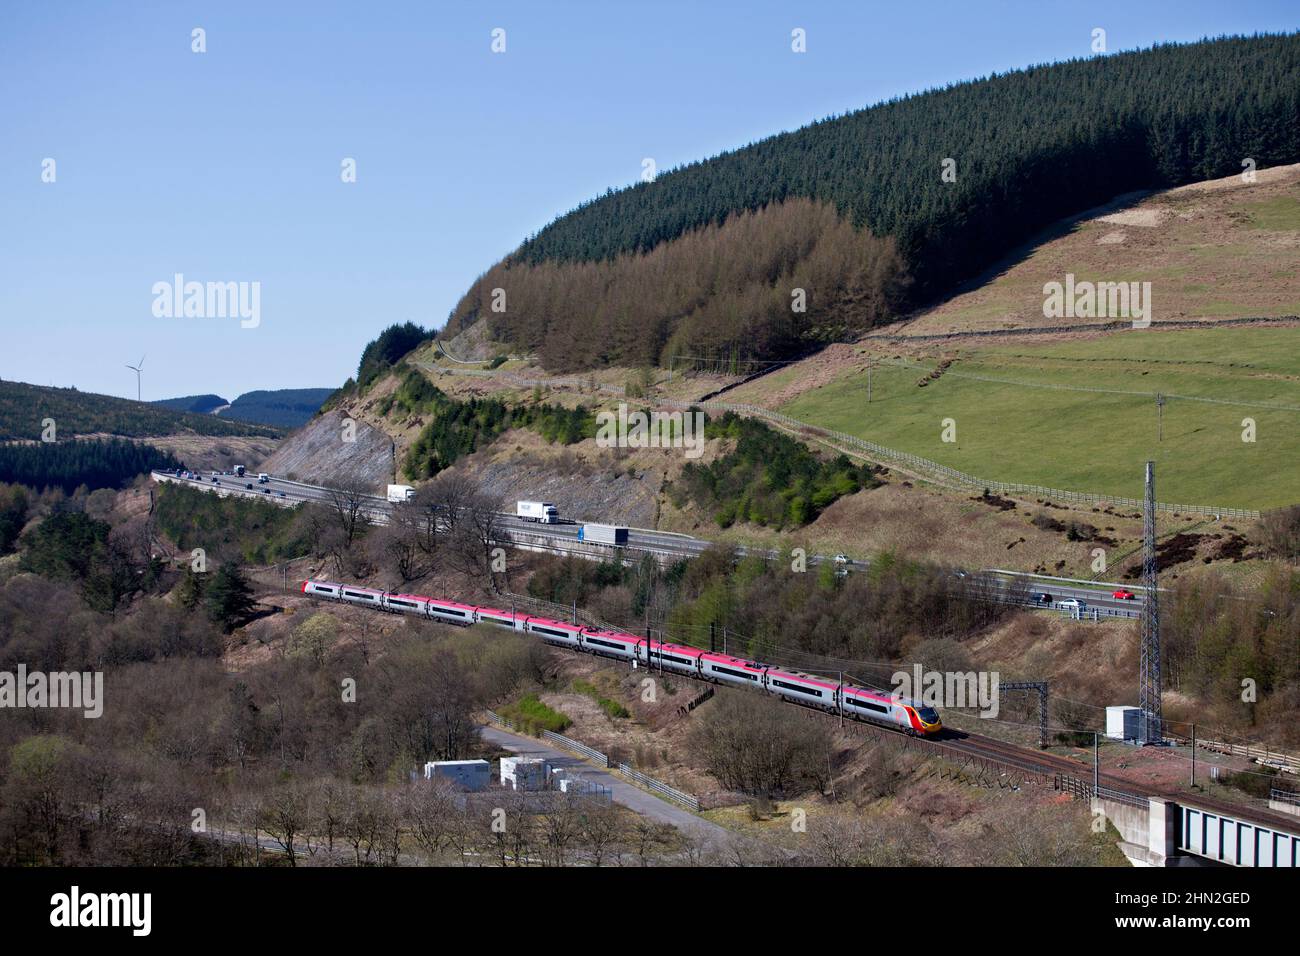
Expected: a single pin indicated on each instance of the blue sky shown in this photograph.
(225, 165)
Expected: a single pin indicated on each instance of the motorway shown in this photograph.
(564, 537)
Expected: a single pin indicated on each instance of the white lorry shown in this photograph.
(400, 492)
(603, 534)
(542, 511)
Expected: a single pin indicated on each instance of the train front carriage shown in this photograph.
(322, 589)
(925, 720)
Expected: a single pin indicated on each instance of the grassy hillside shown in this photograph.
(1048, 413)
(1030, 147)
(1214, 250)
(24, 407)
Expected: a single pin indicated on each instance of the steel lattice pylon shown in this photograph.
(1149, 672)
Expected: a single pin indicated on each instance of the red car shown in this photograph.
(1124, 595)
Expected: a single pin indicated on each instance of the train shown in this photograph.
(819, 693)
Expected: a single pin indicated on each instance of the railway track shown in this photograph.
(988, 754)
(991, 753)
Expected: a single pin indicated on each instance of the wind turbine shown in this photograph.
(137, 369)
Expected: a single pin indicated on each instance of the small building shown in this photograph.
(524, 773)
(1123, 722)
(472, 775)
(586, 788)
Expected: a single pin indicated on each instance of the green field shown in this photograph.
(1089, 441)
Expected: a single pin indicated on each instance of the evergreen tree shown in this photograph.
(228, 597)
(190, 591)
(856, 209)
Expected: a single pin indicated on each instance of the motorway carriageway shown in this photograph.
(565, 536)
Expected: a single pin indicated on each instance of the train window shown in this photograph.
(727, 670)
(401, 603)
(867, 705)
(450, 611)
(358, 594)
(592, 640)
(551, 631)
(672, 657)
(797, 688)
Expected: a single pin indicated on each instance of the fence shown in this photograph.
(1083, 790)
(1264, 755)
(689, 801)
(695, 701)
(581, 749)
(952, 474)
(882, 452)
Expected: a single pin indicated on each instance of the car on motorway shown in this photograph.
(1124, 594)
(843, 559)
(281, 493)
(1073, 603)
(1042, 597)
(248, 486)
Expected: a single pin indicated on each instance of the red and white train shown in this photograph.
(821, 693)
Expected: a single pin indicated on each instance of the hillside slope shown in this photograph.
(200, 404)
(1222, 249)
(282, 408)
(1076, 410)
(318, 454)
(24, 407)
(1028, 148)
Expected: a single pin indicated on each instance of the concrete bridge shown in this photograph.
(1167, 831)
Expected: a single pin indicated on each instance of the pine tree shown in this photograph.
(854, 209)
(190, 591)
(229, 599)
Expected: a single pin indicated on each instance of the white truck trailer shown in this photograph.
(541, 511)
(400, 492)
(603, 534)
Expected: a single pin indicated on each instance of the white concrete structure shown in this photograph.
(524, 773)
(1123, 723)
(471, 775)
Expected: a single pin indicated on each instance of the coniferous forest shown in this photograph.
(675, 267)
(95, 463)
